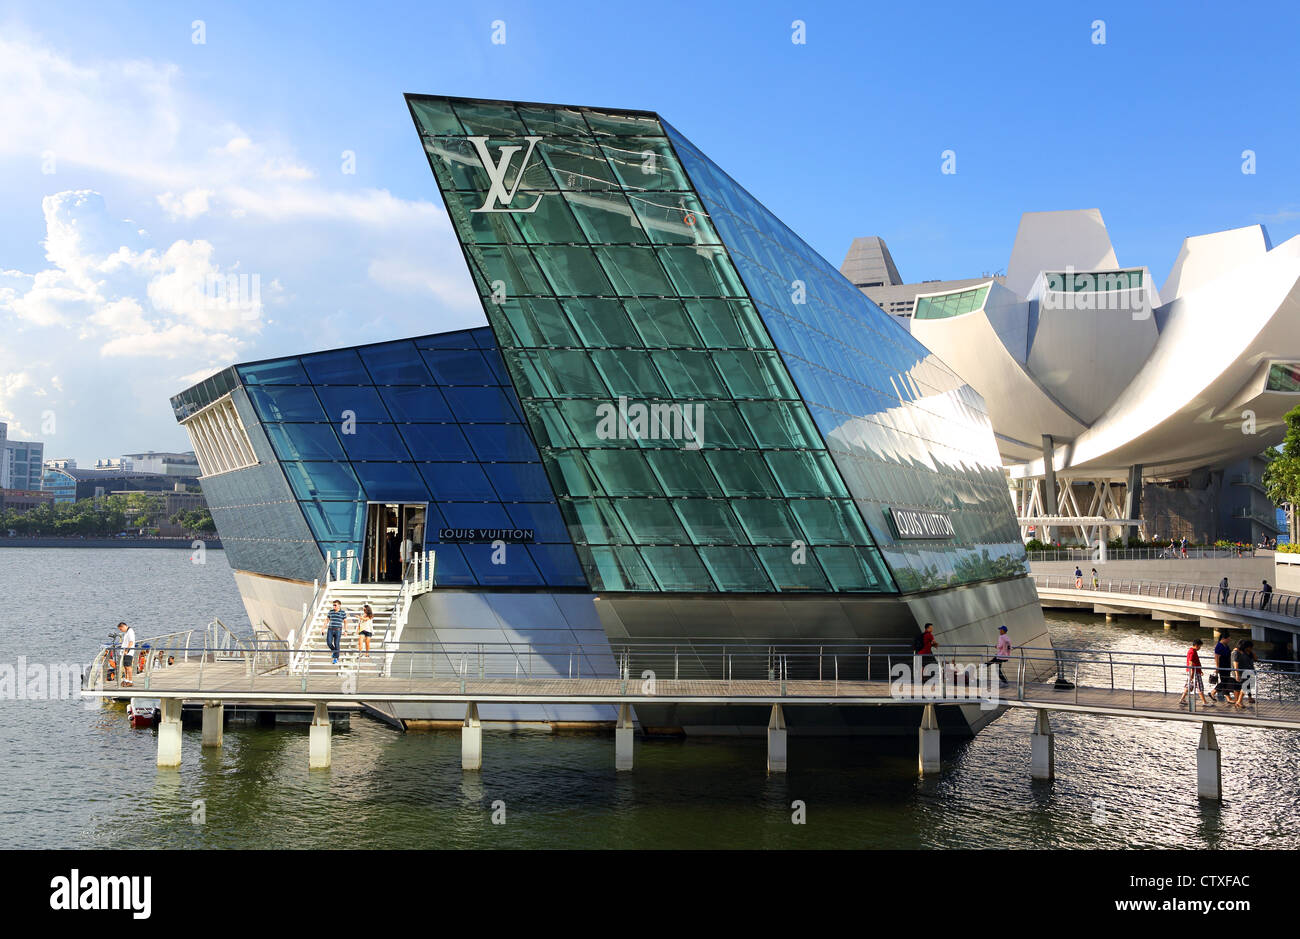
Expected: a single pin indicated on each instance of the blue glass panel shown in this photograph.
(391, 482)
(519, 482)
(323, 481)
(542, 517)
(558, 564)
(474, 515)
(374, 442)
(506, 442)
(510, 565)
(459, 367)
(285, 403)
(450, 569)
(362, 401)
(436, 441)
(335, 521)
(342, 367)
(279, 372)
(395, 363)
(415, 403)
(304, 441)
(457, 481)
(481, 405)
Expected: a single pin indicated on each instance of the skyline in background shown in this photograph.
(138, 161)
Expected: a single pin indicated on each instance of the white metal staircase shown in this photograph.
(390, 603)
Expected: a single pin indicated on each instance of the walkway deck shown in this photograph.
(231, 682)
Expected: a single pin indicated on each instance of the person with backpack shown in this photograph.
(1222, 677)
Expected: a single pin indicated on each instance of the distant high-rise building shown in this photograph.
(20, 462)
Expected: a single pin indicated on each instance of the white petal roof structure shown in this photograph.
(1089, 372)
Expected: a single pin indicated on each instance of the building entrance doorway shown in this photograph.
(394, 536)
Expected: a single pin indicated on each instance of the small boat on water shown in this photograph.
(142, 712)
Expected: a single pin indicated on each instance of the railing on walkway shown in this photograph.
(783, 669)
(1276, 603)
(218, 643)
(1140, 554)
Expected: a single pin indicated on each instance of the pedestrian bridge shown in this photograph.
(754, 673)
(1209, 605)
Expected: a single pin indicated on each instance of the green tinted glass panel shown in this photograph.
(663, 323)
(848, 568)
(805, 473)
(573, 476)
(742, 473)
(710, 521)
(728, 324)
(650, 521)
(577, 164)
(824, 521)
(780, 424)
(628, 372)
(645, 163)
(550, 223)
(435, 116)
(689, 374)
(601, 323)
(623, 473)
(683, 472)
(735, 569)
(678, 569)
(606, 217)
(790, 575)
(768, 521)
(615, 568)
(598, 522)
(572, 271)
(635, 272)
(535, 322)
(674, 218)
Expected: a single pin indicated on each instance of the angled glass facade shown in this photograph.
(433, 421)
(613, 292)
(903, 429)
(674, 394)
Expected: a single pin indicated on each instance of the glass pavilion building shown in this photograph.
(681, 422)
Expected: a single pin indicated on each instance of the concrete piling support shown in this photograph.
(320, 743)
(623, 738)
(169, 734)
(777, 758)
(1042, 763)
(471, 740)
(214, 716)
(1209, 765)
(928, 735)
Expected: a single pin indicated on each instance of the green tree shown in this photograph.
(1282, 475)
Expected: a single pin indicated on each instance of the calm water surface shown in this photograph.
(73, 776)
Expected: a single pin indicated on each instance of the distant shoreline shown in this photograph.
(54, 541)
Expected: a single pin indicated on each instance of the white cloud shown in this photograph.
(128, 318)
(188, 205)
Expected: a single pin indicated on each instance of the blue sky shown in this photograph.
(136, 161)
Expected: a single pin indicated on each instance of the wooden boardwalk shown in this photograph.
(230, 682)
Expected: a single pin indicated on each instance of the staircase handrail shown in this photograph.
(417, 578)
